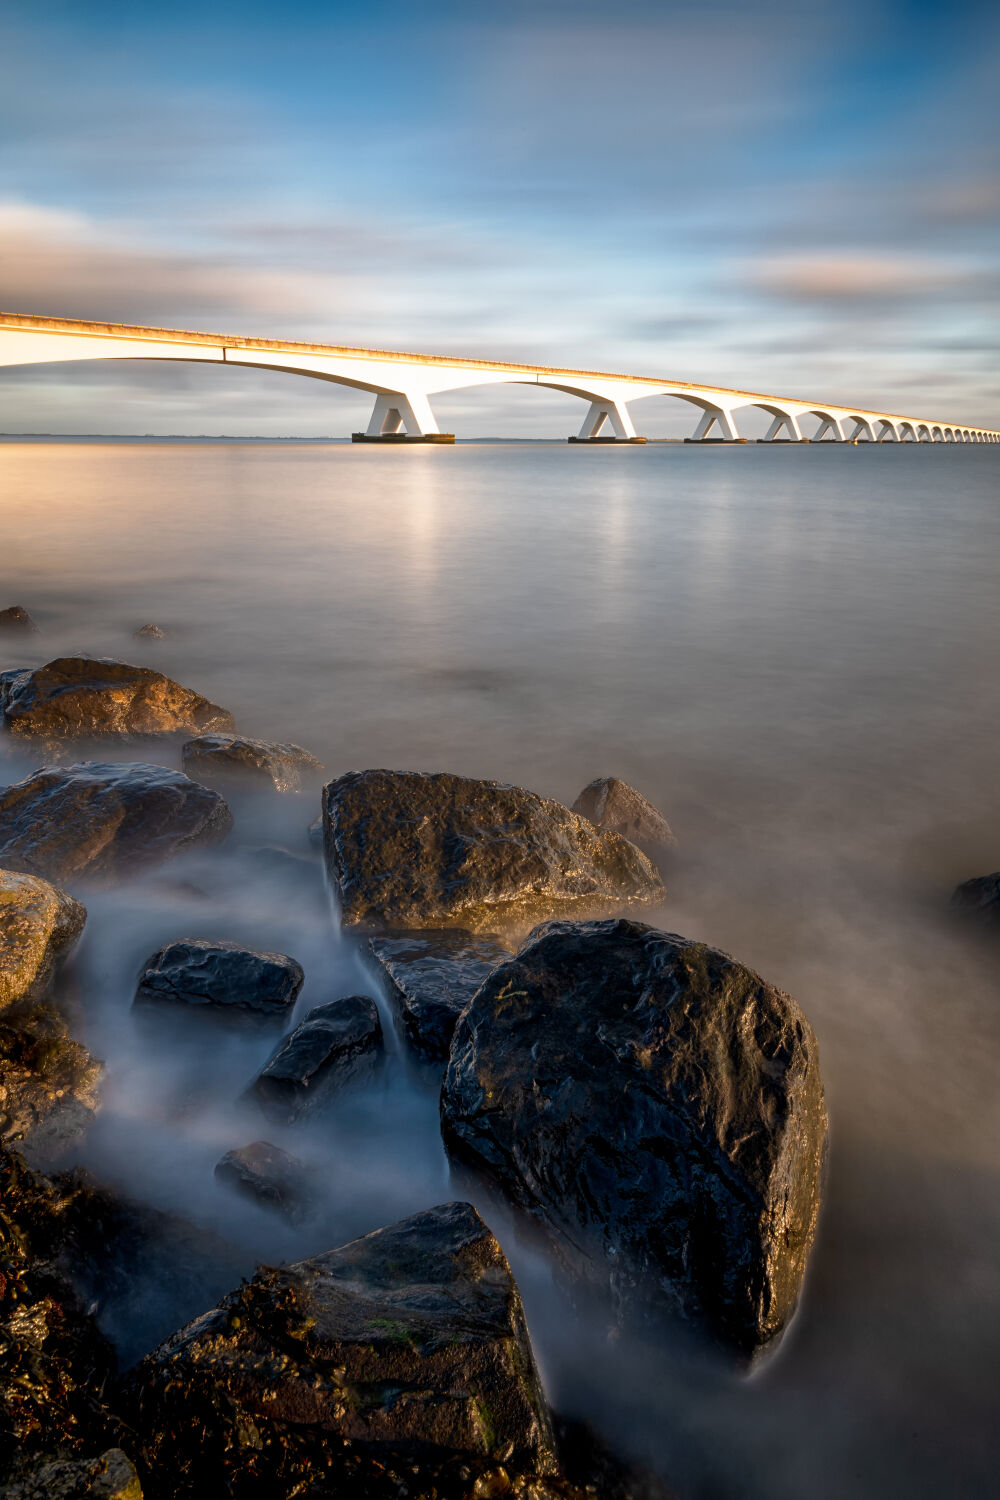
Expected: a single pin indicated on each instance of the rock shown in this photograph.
(337, 1044)
(54, 1362)
(268, 1175)
(227, 760)
(38, 924)
(397, 1365)
(979, 898)
(48, 1082)
(406, 849)
(17, 621)
(99, 697)
(140, 1271)
(316, 832)
(616, 807)
(658, 1108)
(102, 822)
(149, 633)
(111, 1476)
(9, 680)
(221, 976)
(431, 977)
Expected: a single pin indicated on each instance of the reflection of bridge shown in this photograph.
(402, 383)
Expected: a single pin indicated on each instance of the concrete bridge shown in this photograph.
(403, 383)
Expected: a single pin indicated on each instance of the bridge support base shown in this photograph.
(402, 437)
(586, 440)
(700, 441)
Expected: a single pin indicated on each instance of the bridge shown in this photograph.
(402, 385)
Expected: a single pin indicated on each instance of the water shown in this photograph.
(792, 652)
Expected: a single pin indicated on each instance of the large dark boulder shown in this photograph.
(615, 807)
(38, 925)
(658, 1108)
(15, 620)
(85, 697)
(109, 1476)
(979, 899)
(229, 761)
(397, 1365)
(407, 849)
(337, 1044)
(102, 822)
(221, 976)
(431, 977)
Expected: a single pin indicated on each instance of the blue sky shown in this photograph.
(783, 196)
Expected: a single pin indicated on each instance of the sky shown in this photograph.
(785, 197)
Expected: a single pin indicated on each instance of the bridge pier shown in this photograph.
(402, 417)
(601, 413)
(721, 418)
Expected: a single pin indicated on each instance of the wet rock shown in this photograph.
(316, 833)
(98, 697)
(9, 680)
(431, 977)
(406, 849)
(54, 1362)
(111, 1476)
(49, 1083)
(337, 1044)
(615, 807)
(397, 1365)
(980, 899)
(231, 761)
(102, 822)
(38, 925)
(658, 1108)
(270, 1176)
(17, 621)
(221, 976)
(149, 633)
(140, 1271)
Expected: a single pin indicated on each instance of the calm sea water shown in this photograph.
(793, 652)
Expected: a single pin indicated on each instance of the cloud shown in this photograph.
(861, 276)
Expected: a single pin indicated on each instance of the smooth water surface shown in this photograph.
(792, 651)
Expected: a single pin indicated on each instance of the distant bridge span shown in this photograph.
(403, 383)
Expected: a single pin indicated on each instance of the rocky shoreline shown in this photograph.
(648, 1103)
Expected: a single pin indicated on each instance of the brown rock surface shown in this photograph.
(228, 760)
(616, 807)
(407, 849)
(398, 1364)
(83, 697)
(38, 924)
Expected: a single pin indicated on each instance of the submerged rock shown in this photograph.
(48, 1082)
(408, 849)
(658, 1108)
(226, 760)
(221, 976)
(615, 807)
(97, 697)
(16, 621)
(397, 1365)
(149, 633)
(269, 1175)
(104, 821)
(431, 977)
(38, 924)
(979, 898)
(337, 1044)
